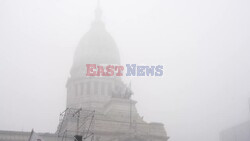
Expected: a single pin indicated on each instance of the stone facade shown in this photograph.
(116, 117)
(24, 136)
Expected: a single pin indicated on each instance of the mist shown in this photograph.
(203, 45)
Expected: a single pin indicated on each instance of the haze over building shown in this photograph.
(106, 100)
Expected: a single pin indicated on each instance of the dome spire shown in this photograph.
(98, 11)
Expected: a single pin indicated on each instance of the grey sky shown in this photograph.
(203, 44)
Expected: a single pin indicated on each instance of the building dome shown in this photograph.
(96, 47)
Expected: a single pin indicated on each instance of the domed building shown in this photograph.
(96, 47)
(116, 117)
(98, 108)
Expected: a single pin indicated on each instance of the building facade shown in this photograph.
(240, 132)
(114, 116)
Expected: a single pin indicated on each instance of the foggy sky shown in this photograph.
(203, 44)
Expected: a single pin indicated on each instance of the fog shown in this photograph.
(203, 45)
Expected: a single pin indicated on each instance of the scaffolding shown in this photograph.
(76, 125)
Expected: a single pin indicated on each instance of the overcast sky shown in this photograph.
(204, 46)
